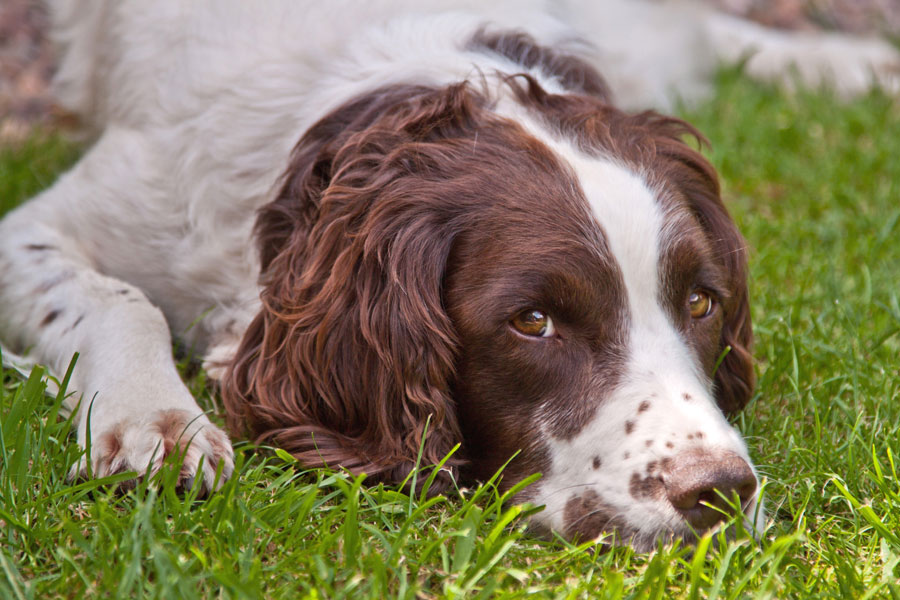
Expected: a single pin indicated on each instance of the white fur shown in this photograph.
(196, 105)
(660, 368)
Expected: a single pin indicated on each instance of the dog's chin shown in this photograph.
(642, 539)
(751, 523)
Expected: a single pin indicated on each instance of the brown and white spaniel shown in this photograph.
(468, 244)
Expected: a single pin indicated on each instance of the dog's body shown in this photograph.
(553, 303)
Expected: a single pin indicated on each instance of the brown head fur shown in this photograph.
(353, 351)
(654, 144)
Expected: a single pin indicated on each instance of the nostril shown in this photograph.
(707, 497)
(683, 497)
(701, 483)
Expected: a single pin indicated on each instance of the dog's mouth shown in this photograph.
(653, 519)
(614, 532)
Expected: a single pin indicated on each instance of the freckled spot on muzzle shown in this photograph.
(646, 487)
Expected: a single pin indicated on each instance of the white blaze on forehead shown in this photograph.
(620, 201)
(660, 372)
(660, 367)
(636, 227)
(622, 204)
(632, 221)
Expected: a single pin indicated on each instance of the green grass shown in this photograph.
(32, 166)
(812, 183)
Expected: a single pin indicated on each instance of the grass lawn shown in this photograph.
(815, 187)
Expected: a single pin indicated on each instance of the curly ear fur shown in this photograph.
(353, 353)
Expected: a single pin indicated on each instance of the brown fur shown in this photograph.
(655, 143)
(353, 353)
(367, 333)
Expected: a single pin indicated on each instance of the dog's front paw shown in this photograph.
(142, 444)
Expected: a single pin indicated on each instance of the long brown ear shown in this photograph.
(353, 353)
(735, 377)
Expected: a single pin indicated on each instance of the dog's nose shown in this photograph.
(697, 480)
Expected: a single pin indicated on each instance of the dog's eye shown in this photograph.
(534, 323)
(700, 304)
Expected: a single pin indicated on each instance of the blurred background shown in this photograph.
(27, 61)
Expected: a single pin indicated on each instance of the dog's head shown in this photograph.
(535, 273)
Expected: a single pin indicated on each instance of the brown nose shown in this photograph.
(696, 480)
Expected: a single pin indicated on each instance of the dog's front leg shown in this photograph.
(54, 302)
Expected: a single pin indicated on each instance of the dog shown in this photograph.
(392, 228)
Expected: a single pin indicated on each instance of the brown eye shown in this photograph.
(700, 304)
(534, 323)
